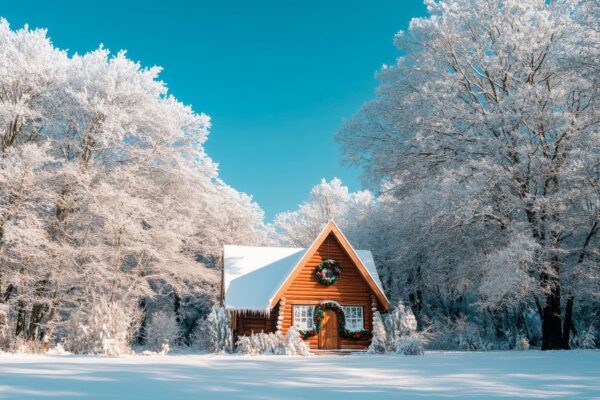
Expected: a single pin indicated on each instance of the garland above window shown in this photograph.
(344, 333)
(328, 272)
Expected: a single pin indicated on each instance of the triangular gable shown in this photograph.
(332, 228)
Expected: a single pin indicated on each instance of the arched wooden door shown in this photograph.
(329, 338)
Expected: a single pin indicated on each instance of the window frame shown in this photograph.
(354, 318)
(310, 323)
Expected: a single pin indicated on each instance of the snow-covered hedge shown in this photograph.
(272, 343)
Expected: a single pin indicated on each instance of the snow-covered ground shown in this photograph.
(533, 374)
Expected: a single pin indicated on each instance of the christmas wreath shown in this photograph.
(318, 318)
(328, 272)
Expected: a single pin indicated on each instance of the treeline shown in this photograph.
(481, 156)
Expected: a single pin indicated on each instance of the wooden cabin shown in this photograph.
(328, 291)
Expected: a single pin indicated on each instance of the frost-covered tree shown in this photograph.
(396, 332)
(327, 200)
(483, 140)
(106, 192)
(162, 330)
(105, 329)
(379, 336)
(213, 334)
(401, 332)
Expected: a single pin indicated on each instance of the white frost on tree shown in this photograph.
(379, 335)
(483, 143)
(213, 334)
(272, 344)
(259, 343)
(106, 193)
(162, 330)
(106, 328)
(401, 332)
(327, 200)
(587, 340)
(294, 345)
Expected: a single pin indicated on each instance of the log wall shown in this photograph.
(350, 290)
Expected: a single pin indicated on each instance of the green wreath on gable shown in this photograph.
(344, 333)
(325, 278)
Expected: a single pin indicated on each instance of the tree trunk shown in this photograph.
(551, 321)
(34, 329)
(568, 322)
(141, 334)
(38, 310)
(20, 328)
(48, 329)
(177, 311)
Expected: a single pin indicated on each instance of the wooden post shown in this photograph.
(373, 310)
(280, 314)
(222, 302)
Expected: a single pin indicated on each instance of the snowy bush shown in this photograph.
(244, 345)
(106, 328)
(213, 333)
(459, 334)
(21, 345)
(162, 330)
(379, 339)
(410, 345)
(259, 343)
(271, 343)
(587, 340)
(396, 332)
(468, 336)
(58, 350)
(400, 335)
(522, 343)
(294, 345)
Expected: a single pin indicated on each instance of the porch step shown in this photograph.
(341, 352)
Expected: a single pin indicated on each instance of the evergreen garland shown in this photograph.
(344, 333)
(336, 272)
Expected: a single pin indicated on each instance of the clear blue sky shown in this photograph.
(277, 77)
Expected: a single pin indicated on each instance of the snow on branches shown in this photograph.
(483, 140)
(107, 196)
(272, 343)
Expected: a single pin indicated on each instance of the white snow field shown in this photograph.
(532, 374)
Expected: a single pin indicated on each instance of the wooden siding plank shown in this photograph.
(350, 289)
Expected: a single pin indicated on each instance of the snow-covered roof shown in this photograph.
(253, 275)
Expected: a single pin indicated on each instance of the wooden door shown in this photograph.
(329, 336)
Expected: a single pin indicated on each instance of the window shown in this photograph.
(354, 318)
(303, 317)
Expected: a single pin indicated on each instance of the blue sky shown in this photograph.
(276, 77)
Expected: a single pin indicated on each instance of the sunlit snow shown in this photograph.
(531, 374)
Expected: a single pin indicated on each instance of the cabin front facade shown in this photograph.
(328, 291)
